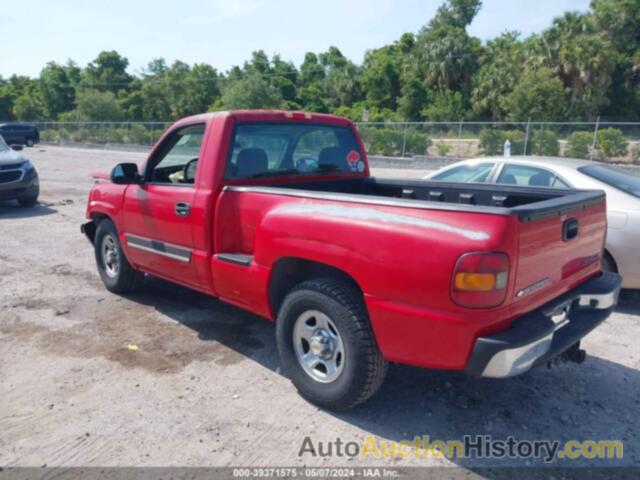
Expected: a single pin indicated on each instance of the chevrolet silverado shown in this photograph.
(276, 212)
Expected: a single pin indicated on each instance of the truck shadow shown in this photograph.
(587, 402)
(583, 402)
(11, 209)
(629, 302)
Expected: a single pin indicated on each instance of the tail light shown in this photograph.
(480, 279)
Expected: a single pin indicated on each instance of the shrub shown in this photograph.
(116, 135)
(579, 144)
(611, 143)
(388, 141)
(516, 137)
(545, 142)
(139, 135)
(635, 154)
(443, 148)
(492, 141)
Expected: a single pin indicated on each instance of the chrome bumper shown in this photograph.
(548, 331)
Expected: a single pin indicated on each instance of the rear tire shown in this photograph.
(116, 272)
(29, 142)
(28, 202)
(334, 310)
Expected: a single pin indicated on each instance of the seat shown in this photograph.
(540, 180)
(508, 179)
(252, 161)
(332, 158)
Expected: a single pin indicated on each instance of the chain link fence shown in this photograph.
(102, 133)
(611, 141)
(607, 141)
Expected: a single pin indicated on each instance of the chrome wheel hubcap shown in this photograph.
(110, 257)
(318, 346)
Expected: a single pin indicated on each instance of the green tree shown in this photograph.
(413, 99)
(500, 69)
(582, 56)
(108, 72)
(28, 107)
(7, 98)
(445, 105)
(57, 85)
(381, 77)
(251, 92)
(446, 53)
(341, 85)
(94, 105)
(538, 95)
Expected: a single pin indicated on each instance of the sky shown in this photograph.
(225, 32)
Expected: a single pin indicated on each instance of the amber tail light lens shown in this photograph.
(480, 279)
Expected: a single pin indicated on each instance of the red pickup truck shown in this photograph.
(276, 212)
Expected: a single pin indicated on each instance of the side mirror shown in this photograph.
(125, 174)
(16, 147)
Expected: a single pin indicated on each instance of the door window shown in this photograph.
(524, 175)
(177, 159)
(471, 172)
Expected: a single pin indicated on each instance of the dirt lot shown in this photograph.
(204, 386)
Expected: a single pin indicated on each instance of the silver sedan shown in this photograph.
(622, 186)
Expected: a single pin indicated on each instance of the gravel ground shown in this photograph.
(204, 388)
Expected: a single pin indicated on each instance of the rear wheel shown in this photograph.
(29, 142)
(326, 344)
(114, 268)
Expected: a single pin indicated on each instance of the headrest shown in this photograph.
(509, 179)
(252, 161)
(333, 156)
(540, 180)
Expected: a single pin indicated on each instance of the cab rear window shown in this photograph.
(292, 149)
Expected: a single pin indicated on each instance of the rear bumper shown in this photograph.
(546, 332)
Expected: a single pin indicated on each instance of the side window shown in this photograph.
(524, 175)
(478, 172)
(178, 156)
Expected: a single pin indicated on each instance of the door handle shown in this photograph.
(183, 209)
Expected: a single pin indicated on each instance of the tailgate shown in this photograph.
(559, 247)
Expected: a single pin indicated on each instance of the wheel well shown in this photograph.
(89, 229)
(291, 271)
(608, 255)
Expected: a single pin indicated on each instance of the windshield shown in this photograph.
(624, 180)
(3, 145)
(290, 149)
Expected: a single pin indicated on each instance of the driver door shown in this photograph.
(157, 219)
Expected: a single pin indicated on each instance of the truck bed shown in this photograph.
(526, 202)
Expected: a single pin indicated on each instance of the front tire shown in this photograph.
(116, 272)
(29, 142)
(28, 202)
(326, 344)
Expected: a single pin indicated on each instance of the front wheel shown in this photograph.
(115, 270)
(30, 142)
(326, 344)
(28, 202)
